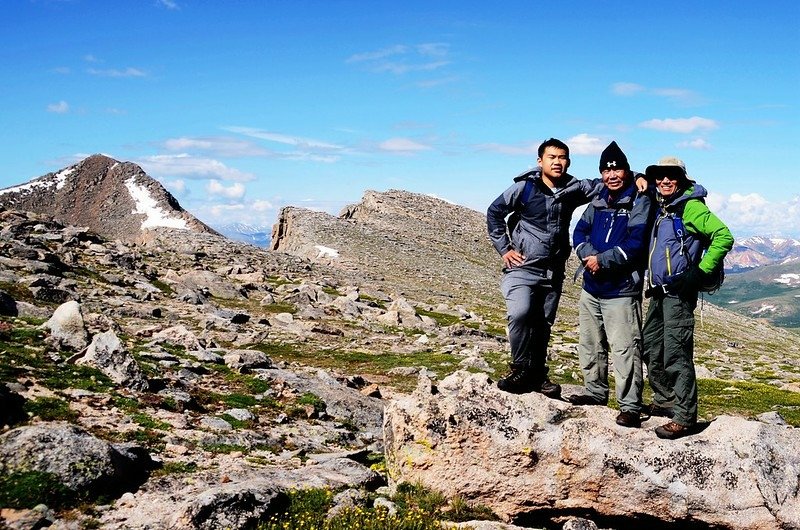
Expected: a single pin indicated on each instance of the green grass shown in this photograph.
(17, 291)
(417, 509)
(147, 422)
(173, 468)
(24, 354)
(237, 424)
(50, 409)
(162, 286)
(24, 490)
(747, 399)
(443, 319)
(224, 448)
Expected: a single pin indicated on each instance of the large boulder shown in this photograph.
(107, 354)
(525, 455)
(81, 462)
(67, 327)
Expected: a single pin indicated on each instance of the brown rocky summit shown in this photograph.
(117, 200)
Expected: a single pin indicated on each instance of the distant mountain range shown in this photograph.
(758, 251)
(258, 235)
(763, 280)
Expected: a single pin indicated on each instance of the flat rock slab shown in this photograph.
(527, 455)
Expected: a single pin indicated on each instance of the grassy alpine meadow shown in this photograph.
(414, 508)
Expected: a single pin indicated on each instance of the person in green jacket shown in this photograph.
(686, 244)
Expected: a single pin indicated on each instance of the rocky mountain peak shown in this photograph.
(415, 243)
(117, 200)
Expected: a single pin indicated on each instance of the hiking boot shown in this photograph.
(657, 410)
(627, 418)
(517, 380)
(549, 389)
(585, 399)
(672, 431)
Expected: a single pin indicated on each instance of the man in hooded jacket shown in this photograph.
(687, 243)
(534, 250)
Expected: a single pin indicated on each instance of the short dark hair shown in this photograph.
(553, 142)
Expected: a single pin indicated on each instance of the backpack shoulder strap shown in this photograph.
(526, 192)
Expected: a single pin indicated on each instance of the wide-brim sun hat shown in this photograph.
(669, 166)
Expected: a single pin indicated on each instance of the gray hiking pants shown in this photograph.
(531, 303)
(669, 354)
(612, 325)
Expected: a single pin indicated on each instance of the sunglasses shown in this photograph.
(671, 179)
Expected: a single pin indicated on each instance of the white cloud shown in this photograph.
(504, 149)
(674, 93)
(403, 68)
(752, 214)
(89, 58)
(226, 147)
(258, 212)
(218, 210)
(677, 95)
(401, 59)
(63, 70)
(261, 205)
(191, 167)
(431, 83)
(306, 148)
(435, 49)
(697, 143)
(282, 138)
(402, 146)
(169, 4)
(398, 49)
(626, 89)
(62, 107)
(113, 72)
(680, 125)
(234, 191)
(583, 144)
(177, 186)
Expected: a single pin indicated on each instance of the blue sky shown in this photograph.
(242, 107)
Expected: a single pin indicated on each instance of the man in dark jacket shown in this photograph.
(611, 241)
(534, 253)
(687, 243)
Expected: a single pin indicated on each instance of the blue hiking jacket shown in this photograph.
(617, 233)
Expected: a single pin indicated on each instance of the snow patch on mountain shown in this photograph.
(763, 309)
(788, 279)
(147, 205)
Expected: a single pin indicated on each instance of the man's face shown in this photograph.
(614, 179)
(554, 162)
(666, 185)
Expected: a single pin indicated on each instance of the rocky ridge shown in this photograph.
(117, 200)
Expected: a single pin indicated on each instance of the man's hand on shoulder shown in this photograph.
(641, 183)
(512, 259)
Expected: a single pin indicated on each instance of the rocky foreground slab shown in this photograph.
(530, 458)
